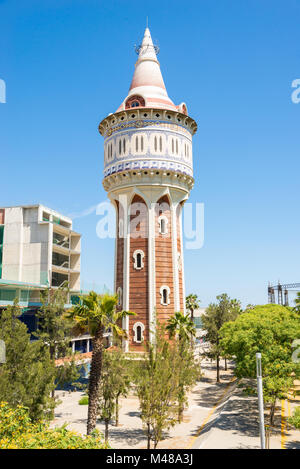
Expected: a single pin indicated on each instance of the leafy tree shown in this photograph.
(28, 375)
(120, 369)
(270, 330)
(107, 393)
(183, 329)
(156, 385)
(215, 316)
(97, 314)
(192, 302)
(54, 330)
(115, 382)
(17, 431)
(297, 303)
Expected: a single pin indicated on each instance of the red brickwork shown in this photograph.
(164, 261)
(138, 279)
(119, 253)
(180, 276)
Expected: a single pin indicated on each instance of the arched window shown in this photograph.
(120, 147)
(176, 146)
(160, 144)
(155, 143)
(134, 101)
(165, 295)
(138, 257)
(124, 146)
(172, 145)
(138, 329)
(120, 299)
(136, 144)
(142, 144)
(162, 224)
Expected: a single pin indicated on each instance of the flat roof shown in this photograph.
(43, 207)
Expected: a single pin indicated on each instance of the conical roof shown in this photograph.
(147, 87)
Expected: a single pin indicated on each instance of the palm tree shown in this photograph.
(192, 302)
(182, 326)
(95, 315)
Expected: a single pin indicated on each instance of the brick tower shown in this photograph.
(148, 175)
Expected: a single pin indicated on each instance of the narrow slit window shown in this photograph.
(165, 296)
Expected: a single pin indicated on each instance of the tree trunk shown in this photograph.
(94, 380)
(117, 411)
(218, 369)
(52, 357)
(148, 436)
(272, 413)
(226, 364)
(106, 431)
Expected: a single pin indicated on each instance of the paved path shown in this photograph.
(219, 415)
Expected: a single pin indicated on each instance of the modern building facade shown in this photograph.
(148, 175)
(38, 249)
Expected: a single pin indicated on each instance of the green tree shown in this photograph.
(115, 382)
(182, 328)
(54, 330)
(107, 392)
(297, 303)
(270, 330)
(28, 375)
(215, 316)
(156, 385)
(18, 431)
(192, 302)
(122, 381)
(97, 314)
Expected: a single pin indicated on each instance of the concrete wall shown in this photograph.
(12, 244)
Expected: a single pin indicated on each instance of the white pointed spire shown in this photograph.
(147, 80)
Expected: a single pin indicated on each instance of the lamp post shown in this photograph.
(260, 401)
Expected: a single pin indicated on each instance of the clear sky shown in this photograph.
(68, 63)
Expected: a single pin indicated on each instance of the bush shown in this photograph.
(18, 432)
(84, 400)
(295, 420)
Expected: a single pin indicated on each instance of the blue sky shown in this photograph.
(68, 63)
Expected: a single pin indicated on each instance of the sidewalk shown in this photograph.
(219, 416)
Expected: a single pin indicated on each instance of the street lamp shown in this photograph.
(260, 402)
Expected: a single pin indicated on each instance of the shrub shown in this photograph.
(84, 400)
(18, 432)
(295, 420)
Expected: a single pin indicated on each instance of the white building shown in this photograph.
(38, 249)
